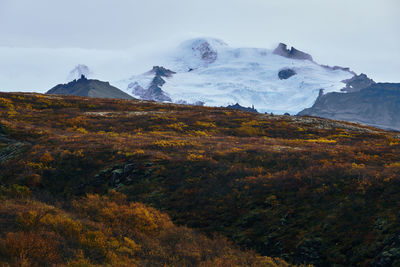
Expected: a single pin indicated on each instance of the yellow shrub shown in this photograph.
(62, 225)
(31, 249)
(179, 126)
(171, 143)
(200, 133)
(205, 124)
(81, 130)
(194, 157)
(357, 166)
(134, 153)
(6, 103)
(95, 245)
(321, 140)
(393, 165)
(46, 158)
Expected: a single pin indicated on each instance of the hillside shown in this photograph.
(89, 88)
(49, 217)
(376, 104)
(303, 189)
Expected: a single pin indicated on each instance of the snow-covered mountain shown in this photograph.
(209, 71)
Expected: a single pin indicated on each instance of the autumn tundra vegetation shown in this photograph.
(105, 182)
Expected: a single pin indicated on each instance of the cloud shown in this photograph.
(361, 34)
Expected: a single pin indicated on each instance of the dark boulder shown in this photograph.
(286, 74)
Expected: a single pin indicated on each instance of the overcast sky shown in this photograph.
(361, 34)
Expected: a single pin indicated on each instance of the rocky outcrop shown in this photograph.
(153, 91)
(161, 72)
(293, 53)
(357, 83)
(10, 148)
(377, 105)
(239, 107)
(11, 151)
(89, 88)
(286, 74)
(207, 53)
(118, 176)
(204, 50)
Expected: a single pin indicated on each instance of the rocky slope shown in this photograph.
(153, 90)
(376, 104)
(89, 88)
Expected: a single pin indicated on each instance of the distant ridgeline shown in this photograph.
(239, 107)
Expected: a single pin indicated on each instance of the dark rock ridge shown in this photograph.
(377, 105)
(357, 83)
(286, 74)
(89, 88)
(292, 53)
(153, 91)
(338, 68)
(239, 107)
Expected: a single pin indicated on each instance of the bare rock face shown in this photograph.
(377, 105)
(357, 83)
(205, 51)
(292, 53)
(161, 72)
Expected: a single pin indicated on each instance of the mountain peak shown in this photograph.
(89, 88)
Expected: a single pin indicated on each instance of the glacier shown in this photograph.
(208, 70)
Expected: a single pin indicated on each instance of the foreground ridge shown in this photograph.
(304, 189)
